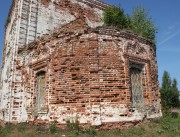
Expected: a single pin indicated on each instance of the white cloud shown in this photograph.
(169, 30)
(168, 38)
(169, 33)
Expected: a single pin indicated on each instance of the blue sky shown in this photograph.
(166, 15)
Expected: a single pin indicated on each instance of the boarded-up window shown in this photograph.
(136, 85)
(40, 90)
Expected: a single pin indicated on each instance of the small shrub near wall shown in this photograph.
(175, 113)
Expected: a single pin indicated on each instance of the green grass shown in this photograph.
(166, 126)
(163, 127)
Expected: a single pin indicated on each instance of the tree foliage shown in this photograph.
(114, 16)
(166, 81)
(169, 92)
(139, 22)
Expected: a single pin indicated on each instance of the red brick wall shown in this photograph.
(87, 77)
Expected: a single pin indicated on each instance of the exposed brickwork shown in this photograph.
(79, 71)
(30, 19)
(87, 75)
(45, 2)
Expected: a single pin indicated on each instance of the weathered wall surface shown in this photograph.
(55, 13)
(87, 74)
(29, 19)
(10, 42)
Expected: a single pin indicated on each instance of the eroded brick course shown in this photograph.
(88, 75)
(61, 66)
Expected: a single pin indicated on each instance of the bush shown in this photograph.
(91, 132)
(174, 113)
(115, 17)
(72, 125)
(139, 22)
(73, 128)
(54, 129)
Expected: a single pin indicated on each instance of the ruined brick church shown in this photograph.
(61, 63)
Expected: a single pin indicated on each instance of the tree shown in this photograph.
(169, 92)
(175, 100)
(141, 23)
(115, 17)
(174, 84)
(166, 81)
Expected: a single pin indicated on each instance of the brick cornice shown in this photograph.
(122, 33)
(103, 30)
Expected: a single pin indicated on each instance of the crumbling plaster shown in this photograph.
(86, 67)
(87, 76)
(27, 20)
